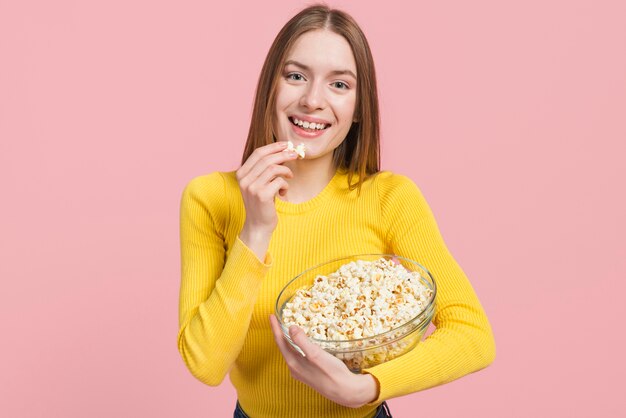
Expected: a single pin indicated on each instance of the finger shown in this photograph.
(316, 356)
(268, 161)
(298, 336)
(273, 171)
(264, 182)
(268, 192)
(290, 353)
(259, 153)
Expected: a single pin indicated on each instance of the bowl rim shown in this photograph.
(429, 306)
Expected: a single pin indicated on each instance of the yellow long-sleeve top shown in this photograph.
(227, 293)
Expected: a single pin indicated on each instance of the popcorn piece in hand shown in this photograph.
(300, 149)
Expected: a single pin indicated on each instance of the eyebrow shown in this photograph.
(306, 68)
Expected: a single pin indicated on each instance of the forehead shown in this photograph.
(324, 50)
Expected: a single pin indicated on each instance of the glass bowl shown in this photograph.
(365, 352)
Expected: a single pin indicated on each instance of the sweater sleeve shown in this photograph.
(217, 290)
(463, 341)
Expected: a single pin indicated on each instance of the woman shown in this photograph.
(244, 234)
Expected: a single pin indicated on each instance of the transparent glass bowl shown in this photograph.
(366, 352)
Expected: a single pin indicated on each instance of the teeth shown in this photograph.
(309, 125)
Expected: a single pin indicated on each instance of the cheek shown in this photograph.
(285, 95)
(279, 110)
(347, 107)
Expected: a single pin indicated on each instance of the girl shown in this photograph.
(245, 234)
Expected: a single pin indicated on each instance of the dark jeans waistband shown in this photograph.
(382, 411)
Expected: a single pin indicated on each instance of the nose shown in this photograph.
(313, 96)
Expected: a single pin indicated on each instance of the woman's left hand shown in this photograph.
(322, 371)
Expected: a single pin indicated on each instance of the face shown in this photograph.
(316, 93)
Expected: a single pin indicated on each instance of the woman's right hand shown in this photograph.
(260, 179)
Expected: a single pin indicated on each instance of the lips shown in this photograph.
(308, 123)
(307, 133)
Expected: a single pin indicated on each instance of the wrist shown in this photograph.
(372, 388)
(367, 389)
(257, 240)
(254, 234)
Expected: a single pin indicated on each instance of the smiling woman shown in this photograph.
(343, 49)
(246, 233)
(318, 91)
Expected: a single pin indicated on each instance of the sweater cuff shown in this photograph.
(243, 274)
(416, 369)
(243, 254)
(381, 397)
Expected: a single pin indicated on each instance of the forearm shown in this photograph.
(213, 331)
(463, 341)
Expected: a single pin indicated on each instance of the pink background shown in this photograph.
(510, 116)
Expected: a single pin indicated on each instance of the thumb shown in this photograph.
(299, 337)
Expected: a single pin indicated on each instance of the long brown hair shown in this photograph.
(359, 153)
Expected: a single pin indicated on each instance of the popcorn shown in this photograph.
(361, 299)
(300, 149)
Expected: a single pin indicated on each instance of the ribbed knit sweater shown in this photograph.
(227, 293)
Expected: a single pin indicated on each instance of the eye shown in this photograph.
(295, 77)
(340, 85)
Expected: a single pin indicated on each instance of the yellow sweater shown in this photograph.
(227, 293)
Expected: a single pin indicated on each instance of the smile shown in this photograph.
(309, 126)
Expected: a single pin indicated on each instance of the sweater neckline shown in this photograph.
(295, 208)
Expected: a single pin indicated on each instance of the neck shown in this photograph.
(310, 177)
